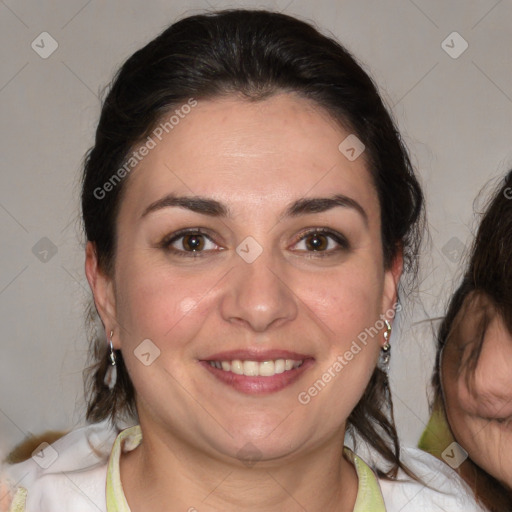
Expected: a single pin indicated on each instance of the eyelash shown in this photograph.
(343, 244)
(500, 421)
(338, 238)
(169, 240)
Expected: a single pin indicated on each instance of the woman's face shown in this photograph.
(246, 238)
(479, 405)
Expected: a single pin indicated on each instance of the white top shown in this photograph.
(71, 475)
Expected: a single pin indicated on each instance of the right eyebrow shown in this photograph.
(196, 204)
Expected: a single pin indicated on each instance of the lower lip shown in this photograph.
(258, 385)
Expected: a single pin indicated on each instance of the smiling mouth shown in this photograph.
(257, 368)
(258, 377)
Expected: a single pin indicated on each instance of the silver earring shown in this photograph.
(111, 374)
(385, 351)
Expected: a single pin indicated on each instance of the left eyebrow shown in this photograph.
(323, 204)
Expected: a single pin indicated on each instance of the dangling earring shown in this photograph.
(111, 374)
(385, 351)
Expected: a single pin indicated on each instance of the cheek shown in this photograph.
(488, 445)
(348, 302)
(348, 306)
(458, 419)
(478, 437)
(166, 307)
(169, 310)
(460, 423)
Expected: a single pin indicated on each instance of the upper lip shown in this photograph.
(256, 355)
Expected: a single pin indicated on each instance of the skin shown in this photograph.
(479, 409)
(256, 159)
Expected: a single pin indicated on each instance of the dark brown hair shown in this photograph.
(485, 291)
(252, 54)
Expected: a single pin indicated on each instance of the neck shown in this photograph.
(165, 470)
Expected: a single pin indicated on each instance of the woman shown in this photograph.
(473, 374)
(249, 208)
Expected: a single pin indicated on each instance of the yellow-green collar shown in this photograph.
(369, 496)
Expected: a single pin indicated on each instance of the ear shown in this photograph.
(391, 280)
(102, 288)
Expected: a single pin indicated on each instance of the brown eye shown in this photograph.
(193, 242)
(321, 242)
(317, 242)
(190, 243)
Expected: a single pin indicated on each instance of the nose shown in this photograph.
(259, 295)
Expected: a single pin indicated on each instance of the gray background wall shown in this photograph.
(455, 114)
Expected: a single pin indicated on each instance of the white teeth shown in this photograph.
(251, 368)
(267, 368)
(256, 368)
(279, 366)
(236, 367)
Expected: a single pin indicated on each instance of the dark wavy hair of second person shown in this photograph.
(254, 55)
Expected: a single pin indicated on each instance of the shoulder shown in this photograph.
(442, 488)
(69, 474)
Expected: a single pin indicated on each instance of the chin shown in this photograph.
(251, 443)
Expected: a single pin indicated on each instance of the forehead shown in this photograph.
(244, 153)
(478, 326)
(472, 321)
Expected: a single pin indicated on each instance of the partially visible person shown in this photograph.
(473, 373)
